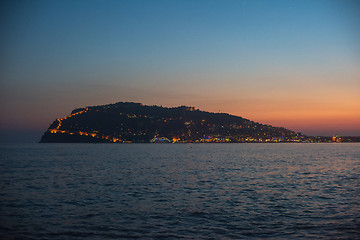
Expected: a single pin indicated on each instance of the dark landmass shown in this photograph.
(126, 122)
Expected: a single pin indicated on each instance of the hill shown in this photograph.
(125, 122)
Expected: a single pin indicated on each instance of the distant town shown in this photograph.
(126, 122)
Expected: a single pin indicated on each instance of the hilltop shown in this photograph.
(126, 122)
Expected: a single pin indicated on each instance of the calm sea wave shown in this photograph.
(171, 191)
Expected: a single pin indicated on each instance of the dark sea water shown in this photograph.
(171, 191)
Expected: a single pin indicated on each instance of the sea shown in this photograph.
(180, 191)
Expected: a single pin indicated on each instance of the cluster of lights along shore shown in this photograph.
(82, 133)
(132, 122)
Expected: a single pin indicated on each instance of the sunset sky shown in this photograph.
(290, 63)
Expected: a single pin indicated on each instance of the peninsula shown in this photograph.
(127, 122)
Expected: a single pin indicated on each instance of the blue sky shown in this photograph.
(276, 62)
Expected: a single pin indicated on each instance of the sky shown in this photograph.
(291, 63)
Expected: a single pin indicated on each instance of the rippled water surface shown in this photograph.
(201, 191)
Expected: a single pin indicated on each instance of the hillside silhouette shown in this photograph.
(125, 122)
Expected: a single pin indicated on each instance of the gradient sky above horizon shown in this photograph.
(288, 63)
